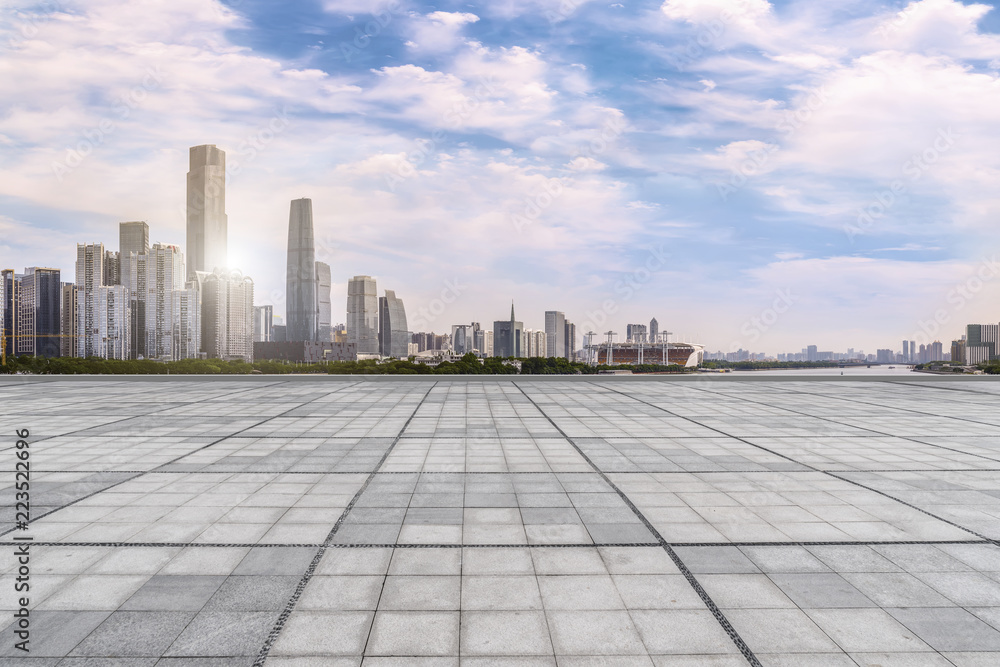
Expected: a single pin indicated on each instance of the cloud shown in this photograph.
(439, 31)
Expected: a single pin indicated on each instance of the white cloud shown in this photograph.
(439, 31)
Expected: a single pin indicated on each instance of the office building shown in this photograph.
(301, 300)
(324, 305)
(133, 248)
(393, 338)
(570, 337)
(555, 332)
(207, 223)
(263, 323)
(981, 343)
(133, 240)
(654, 331)
(67, 316)
(226, 314)
(958, 351)
(466, 338)
(507, 336)
(636, 333)
(31, 320)
(362, 314)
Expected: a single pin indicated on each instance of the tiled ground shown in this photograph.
(574, 522)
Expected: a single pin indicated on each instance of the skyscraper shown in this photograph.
(570, 341)
(263, 323)
(133, 239)
(507, 335)
(113, 320)
(393, 338)
(654, 331)
(555, 333)
(133, 246)
(112, 268)
(89, 278)
(67, 327)
(164, 268)
(186, 325)
(362, 314)
(207, 223)
(301, 302)
(227, 314)
(324, 306)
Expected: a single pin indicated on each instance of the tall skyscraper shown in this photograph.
(227, 314)
(555, 333)
(393, 338)
(89, 278)
(207, 223)
(133, 246)
(362, 314)
(133, 239)
(68, 314)
(507, 335)
(8, 285)
(186, 343)
(112, 268)
(263, 323)
(324, 305)
(113, 320)
(654, 331)
(301, 303)
(570, 341)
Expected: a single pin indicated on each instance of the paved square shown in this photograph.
(563, 522)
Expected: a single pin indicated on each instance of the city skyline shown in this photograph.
(483, 148)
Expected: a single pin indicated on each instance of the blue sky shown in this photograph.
(753, 174)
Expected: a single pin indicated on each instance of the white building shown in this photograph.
(186, 323)
(226, 314)
(113, 322)
(164, 269)
(89, 277)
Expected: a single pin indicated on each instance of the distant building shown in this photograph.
(164, 269)
(227, 314)
(133, 253)
(31, 312)
(112, 268)
(263, 323)
(636, 333)
(682, 354)
(301, 300)
(981, 343)
(304, 352)
(186, 323)
(466, 338)
(507, 337)
(958, 351)
(207, 223)
(570, 341)
(67, 316)
(89, 278)
(362, 314)
(654, 331)
(884, 356)
(536, 344)
(555, 333)
(112, 322)
(393, 338)
(324, 305)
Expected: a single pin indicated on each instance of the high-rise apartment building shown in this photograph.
(227, 314)
(89, 278)
(301, 301)
(263, 324)
(164, 274)
(112, 268)
(324, 305)
(186, 324)
(133, 247)
(393, 338)
(362, 314)
(958, 351)
(207, 223)
(133, 239)
(555, 332)
(113, 321)
(536, 344)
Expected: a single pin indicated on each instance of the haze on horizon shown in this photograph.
(696, 161)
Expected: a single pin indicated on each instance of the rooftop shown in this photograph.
(528, 521)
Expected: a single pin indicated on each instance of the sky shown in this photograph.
(753, 174)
